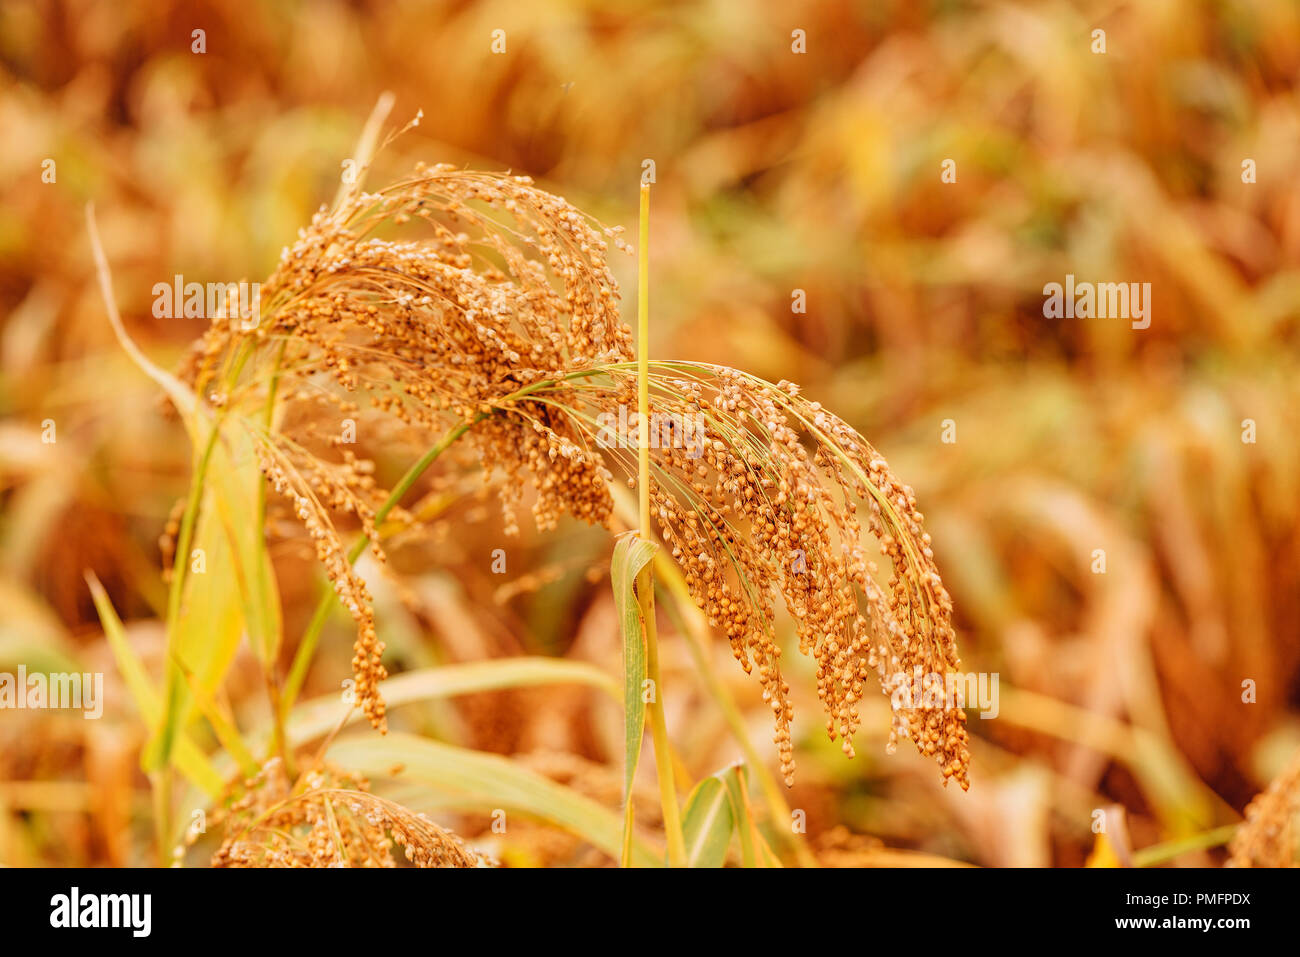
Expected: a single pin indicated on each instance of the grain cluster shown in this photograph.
(497, 325)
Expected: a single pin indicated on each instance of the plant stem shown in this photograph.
(643, 365)
(161, 782)
(658, 726)
(181, 560)
(159, 750)
(645, 578)
(173, 681)
(1159, 853)
(279, 740)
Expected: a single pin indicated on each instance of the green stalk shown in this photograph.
(162, 748)
(645, 593)
(1159, 853)
(158, 753)
(180, 561)
(161, 784)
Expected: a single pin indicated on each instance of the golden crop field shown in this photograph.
(566, 434)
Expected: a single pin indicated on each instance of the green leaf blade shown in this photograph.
(708, 824)
(484, 782)
(186, 756)
(631, 554)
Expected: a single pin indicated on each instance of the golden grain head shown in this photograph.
(502, 319)
(328, 819)
(1267, 837)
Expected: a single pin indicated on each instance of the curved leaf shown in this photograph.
(631, 554)
(708, 824)
(486, 782)
(321, 715)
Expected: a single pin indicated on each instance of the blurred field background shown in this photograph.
(776, 171)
